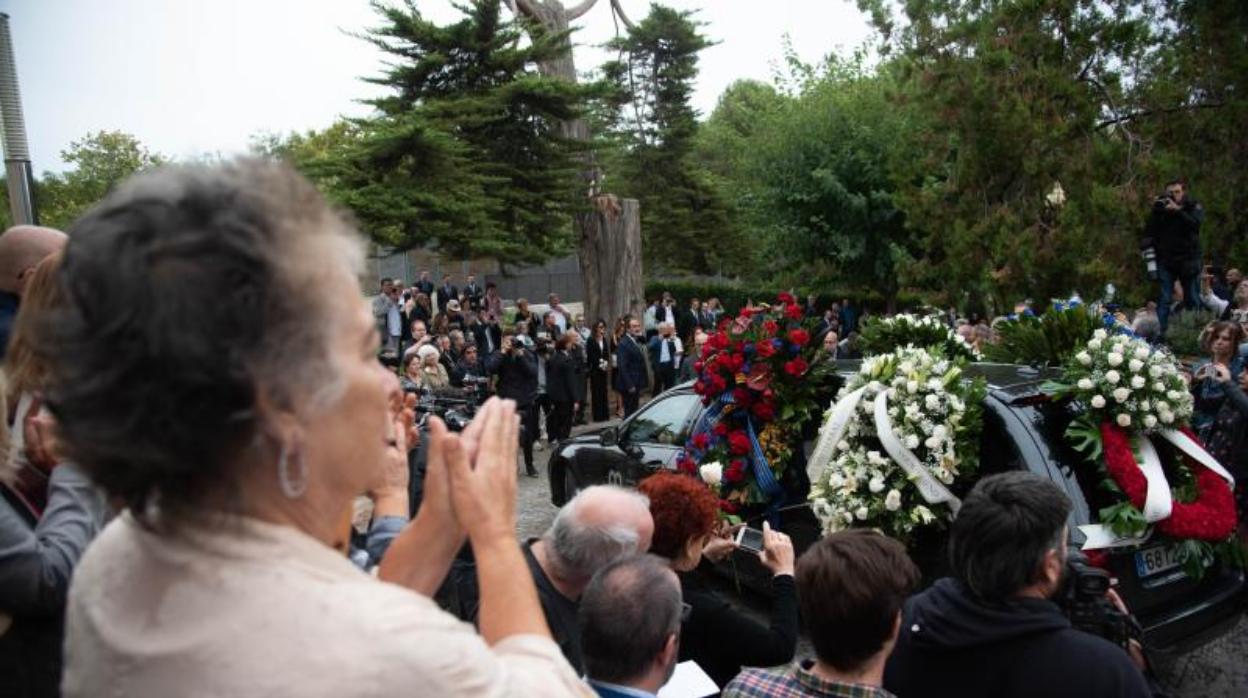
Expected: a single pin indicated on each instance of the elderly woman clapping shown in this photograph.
(238, 441)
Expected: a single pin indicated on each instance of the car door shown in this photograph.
(654, 437)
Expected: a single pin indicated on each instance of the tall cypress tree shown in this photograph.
(465, 152)
(685, 224)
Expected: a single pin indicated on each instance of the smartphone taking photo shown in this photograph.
(750, 539)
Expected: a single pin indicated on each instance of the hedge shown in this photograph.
(734, 296)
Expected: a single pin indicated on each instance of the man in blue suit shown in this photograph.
(630, 619)
(630, 364)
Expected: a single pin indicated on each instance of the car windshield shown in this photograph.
(665, 421)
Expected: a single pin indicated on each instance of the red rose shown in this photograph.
(687, 466)
(765, 411)
(771, 328)
(799, 337)
(738, 362)
(743, 397)
(701, 441)
(735, 472)
(727, 507)
(698, 366)
(720, 429)
(738, 443)
(765, 349)
(793, 312)
(796, 368)
(699, 387)
(786, 298)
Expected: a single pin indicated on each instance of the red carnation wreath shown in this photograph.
(1210, 518)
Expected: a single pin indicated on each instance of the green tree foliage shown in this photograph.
(819, 168)
(1016, 94)
(685, 224)
(465, 152)
(100, 161)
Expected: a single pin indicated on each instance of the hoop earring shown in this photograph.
(292, 486)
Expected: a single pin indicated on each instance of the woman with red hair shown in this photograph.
(716, 636)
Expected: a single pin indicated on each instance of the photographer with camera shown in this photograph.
(995, 628)
(1173, 234)
(516, 366)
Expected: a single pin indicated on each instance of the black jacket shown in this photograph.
(1176, 234)
(722, 639)
(579, 371)
(594, 355)
(479, 332)
(446, 295)
(517, 377)
(561, 378)
(953, 645)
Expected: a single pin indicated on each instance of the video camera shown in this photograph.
(1083, 599)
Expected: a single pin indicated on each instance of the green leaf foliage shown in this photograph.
(1048, 340)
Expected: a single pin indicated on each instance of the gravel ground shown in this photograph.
(1219, 668)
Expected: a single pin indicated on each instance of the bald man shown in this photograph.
(598, 526)
(22, 248)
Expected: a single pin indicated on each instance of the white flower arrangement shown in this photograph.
(890, 334)
(1144, 390)
(934, 413)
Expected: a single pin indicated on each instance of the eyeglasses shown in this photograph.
(685, 611)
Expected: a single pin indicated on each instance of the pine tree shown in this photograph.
(685, 224)
(465, 153)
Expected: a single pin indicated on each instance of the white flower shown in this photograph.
(1098, 402)
(923, 514)
(1155, 372)
(1121, 394)
(892, 501)
(1095, 345)
(1112, 377)
(1100, 334)
(1167, 417)
(1084, 358)
(842, 445)
(1142, 353)
(1144, 406)
(876, 485)
(912, 387)
(1085, 384)
(1135, 365)
(931, 402)
(1138, 382)
(932, 443)
(1159, 386)
(1150, 421)
(912, 442)
(940, 431)
(906, 367)
(1162, 406)
(1124, 420)
(711, 473)
(862, 513)
(1115, 359)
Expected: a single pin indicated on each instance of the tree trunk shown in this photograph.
(608, 234)
(609, 250)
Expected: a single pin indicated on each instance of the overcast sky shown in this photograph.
(189, 77)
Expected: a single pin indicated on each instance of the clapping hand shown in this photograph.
(482, 468)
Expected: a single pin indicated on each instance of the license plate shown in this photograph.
(1156, 560)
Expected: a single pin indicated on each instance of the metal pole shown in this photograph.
(16, 151)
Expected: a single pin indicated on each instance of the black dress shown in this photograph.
(722, 640)
(596, 355)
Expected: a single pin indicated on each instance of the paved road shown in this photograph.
(1217, 669)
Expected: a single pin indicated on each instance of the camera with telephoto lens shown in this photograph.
(1149, 254)
(1162, 201)
(1082, 597)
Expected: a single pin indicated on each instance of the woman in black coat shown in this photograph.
(598, 351)
(561, 390)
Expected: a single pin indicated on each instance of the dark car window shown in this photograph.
(997, 451)
(665, 421)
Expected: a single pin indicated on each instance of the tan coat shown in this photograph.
(256, 609)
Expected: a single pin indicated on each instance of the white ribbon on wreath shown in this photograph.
(932, 490)
(1158, 501)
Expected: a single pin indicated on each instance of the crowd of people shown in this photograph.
(179, 497)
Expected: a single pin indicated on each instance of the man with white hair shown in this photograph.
(598, 526)
(22, 248)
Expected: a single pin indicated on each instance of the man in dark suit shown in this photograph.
(687, 320)
(516, 368)
(630, 361)
(446, 293)
(424, 285)
(486, 333)
(665, 352)
(561, 388)
(580, 369)
(473, 292)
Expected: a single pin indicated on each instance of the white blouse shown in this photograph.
(250, 608)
